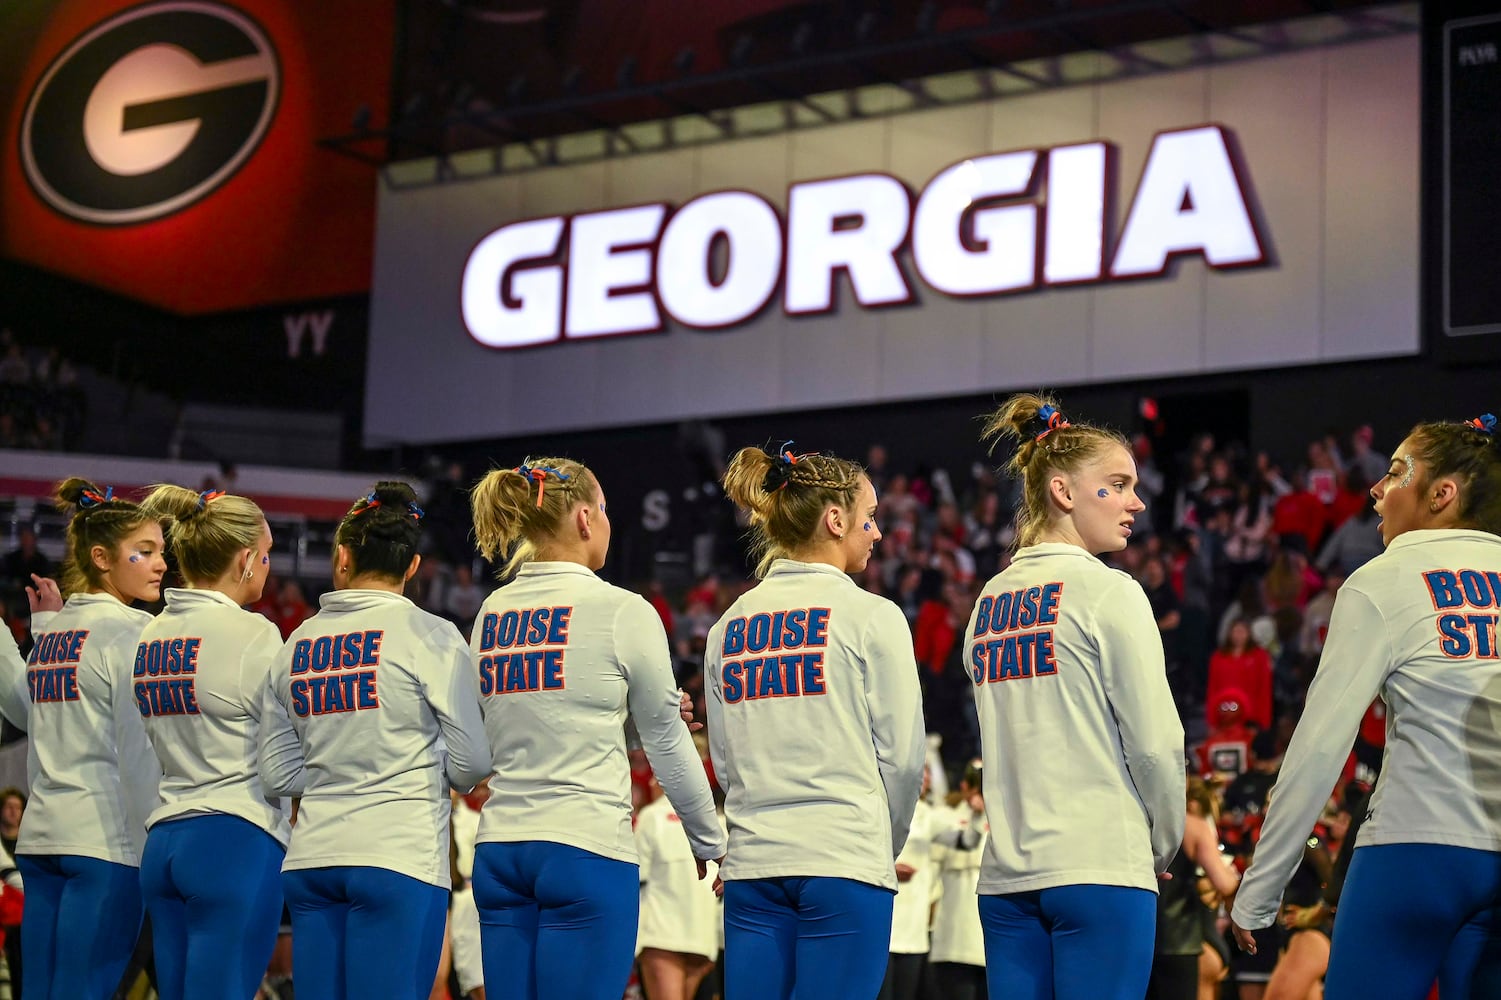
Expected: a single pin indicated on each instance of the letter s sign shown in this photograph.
(149, 112)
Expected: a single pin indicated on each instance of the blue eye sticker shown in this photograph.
(1104, 493)
(867, 525)
(135, 557)
(265, 559)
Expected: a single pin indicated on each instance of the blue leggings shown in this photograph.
(79, 925)
(364, 933)
(1413, 913)
(213, 889)
(1072, 942)
(555, 921)
(805, 937)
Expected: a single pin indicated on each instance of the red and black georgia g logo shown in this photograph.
(149, 112)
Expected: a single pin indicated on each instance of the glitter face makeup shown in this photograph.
(1406, 479)
(1103, 493)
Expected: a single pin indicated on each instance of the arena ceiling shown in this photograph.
(474, 74)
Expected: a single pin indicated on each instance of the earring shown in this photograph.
(1433, 506)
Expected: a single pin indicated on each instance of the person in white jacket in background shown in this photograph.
(679, 934)
(93, 776)
(211, 870)
(562, 657)
(1082, 743)
(816, 734)
(912, 910)
(371, 716)
(958, 949)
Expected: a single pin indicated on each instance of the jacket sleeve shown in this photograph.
(140, 770)
(641, 649)
(1135, 680)
(282, 764)
(719, 748)
(894, 700)
(15, 695)
(1356, 662)
(255, 666)
(452, 691)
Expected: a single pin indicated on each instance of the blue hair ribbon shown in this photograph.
(1485, 423)
(206, 496)
(1051, 418)
(92, 498)
(538, 473)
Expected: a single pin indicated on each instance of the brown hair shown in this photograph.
(98, 518)
(785, 497)
(1470, 454)
(1046, 442)
(516, 510)
(382, 530)
(1199, 792)
(206, 530)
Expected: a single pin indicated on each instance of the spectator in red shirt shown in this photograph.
(1226, 751)
(1243, 667)
(1300, 513)
(291, 608)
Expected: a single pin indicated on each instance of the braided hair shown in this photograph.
(1469, 452)
(1046, 442)
(785, 495)
(98, 518)
(382, 531)
(517, 510)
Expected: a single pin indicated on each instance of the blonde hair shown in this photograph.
(205, 530)
(785, 497)
(98, 518)
(1046, 443)
(516, 510)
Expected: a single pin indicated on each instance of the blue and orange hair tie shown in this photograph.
(1485, 423)
(92, 498)
(208, 495)
(780, 473)
(416, 512)
(538, 474)
(1051, 419)
(371, 502)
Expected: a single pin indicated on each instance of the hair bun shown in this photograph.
(394, 494)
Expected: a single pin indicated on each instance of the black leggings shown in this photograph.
(1174, 977)
(903, 976)
(958, 981)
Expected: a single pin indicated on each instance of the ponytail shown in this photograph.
(785, 495)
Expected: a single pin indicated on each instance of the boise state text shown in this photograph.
(165, 662)
(527, 665)
(1465, 635)
(343, 669)
(1016, 654)
(52, 667)
(783, 673)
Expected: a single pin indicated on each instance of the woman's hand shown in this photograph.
(685, 709)
(1302, 918)
(45, 596)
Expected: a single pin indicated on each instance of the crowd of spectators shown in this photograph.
(41, 404)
